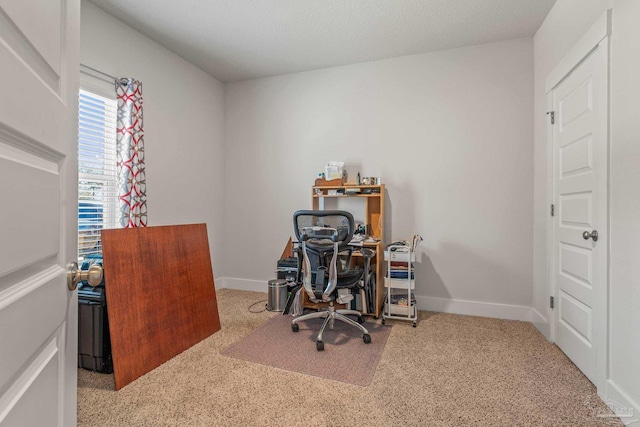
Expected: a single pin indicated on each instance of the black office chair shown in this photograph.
(326, 259)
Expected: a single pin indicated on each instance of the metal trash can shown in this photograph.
(277, 295)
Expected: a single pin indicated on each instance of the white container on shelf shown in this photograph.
(400, 254)
(401, 310)
(399, 283)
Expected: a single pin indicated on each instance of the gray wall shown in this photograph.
(183, 122)
(563, 27)
(450, 133)
(625, 201)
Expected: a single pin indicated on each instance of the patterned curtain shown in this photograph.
(132, 184)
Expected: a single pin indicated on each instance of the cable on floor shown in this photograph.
(258, 302)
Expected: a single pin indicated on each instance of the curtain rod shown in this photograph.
(100, 72)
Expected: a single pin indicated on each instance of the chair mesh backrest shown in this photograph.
(340, 220)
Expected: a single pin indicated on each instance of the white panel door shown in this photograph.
(39, 71)
(580, 195)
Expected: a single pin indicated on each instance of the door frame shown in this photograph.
(597, 37)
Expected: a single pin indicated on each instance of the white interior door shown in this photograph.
(580, 147)
(39, 71)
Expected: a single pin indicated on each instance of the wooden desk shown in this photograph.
(372, 195)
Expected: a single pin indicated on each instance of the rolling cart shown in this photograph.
(399, 283)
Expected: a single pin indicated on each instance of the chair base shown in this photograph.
(330, 316)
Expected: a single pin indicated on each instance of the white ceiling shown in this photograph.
(244, 39)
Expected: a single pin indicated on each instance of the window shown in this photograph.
(97, 179)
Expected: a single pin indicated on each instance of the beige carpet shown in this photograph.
(450, 370)
(271, 344)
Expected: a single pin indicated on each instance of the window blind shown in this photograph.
(97, 180)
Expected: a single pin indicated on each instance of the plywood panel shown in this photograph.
(160, 294)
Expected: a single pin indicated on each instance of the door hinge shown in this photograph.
(553, 210)
(553, 116)
(550, 302)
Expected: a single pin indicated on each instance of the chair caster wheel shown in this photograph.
(383, 321)
(415, 324)
(366, 338)
(361, 319)
(319, 345)
(295, 327)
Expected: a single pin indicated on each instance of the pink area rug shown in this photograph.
(345, 357)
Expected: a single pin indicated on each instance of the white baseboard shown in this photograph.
(242, 284)
(541, 323)
(469, 308)
(474, 308)
(621, 404)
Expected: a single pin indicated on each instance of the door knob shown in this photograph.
(93, 275)
(593, 235)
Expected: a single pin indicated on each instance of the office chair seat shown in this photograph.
(325, 236)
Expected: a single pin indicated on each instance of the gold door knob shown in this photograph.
(93, 275)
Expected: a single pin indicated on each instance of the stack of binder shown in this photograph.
(401, 273)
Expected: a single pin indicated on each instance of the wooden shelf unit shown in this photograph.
(374, 203)
(374, 220)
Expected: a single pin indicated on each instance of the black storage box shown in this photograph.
(288, 269)
(94, 342)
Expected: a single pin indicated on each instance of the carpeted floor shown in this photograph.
(450, 370)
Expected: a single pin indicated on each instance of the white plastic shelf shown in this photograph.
(399, 283)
